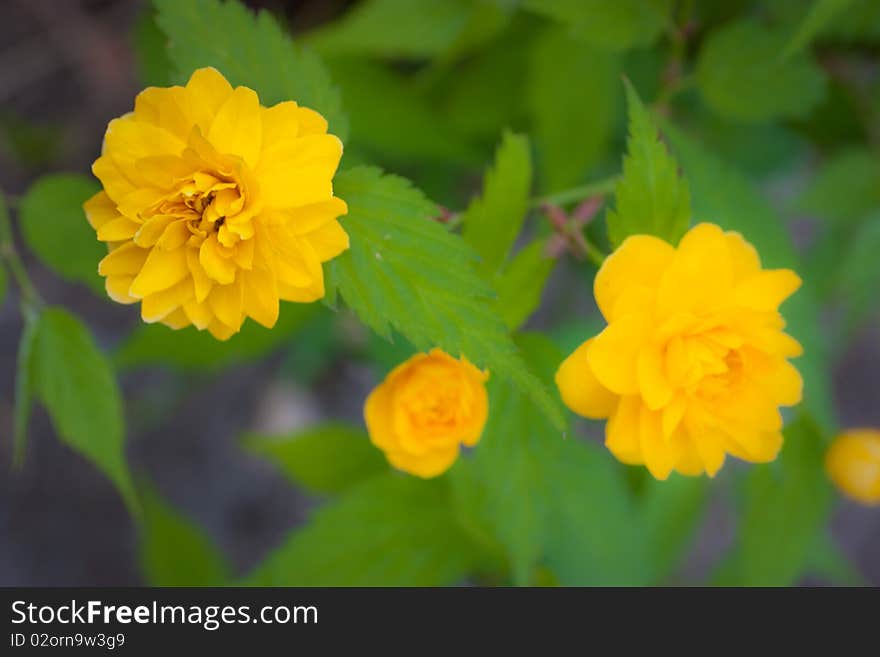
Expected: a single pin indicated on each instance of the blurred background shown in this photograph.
(68, 67)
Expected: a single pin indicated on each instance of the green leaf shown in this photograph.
(820, 14)
(617, 25)
(390, 120)
(857, 274)
(826, 560)
(493, 221)
(742, 76)
(392, 530)
(393, 28)
(521, 283)
(173, 551)
(4, 284)
(725, 197)
(650, 198)
(249, 50)
(150, 53)
(572, 96)
(76, 384)
(845, 189)
(786, 506)
(408, 273)
(532, 490)
(327, 458)
(670, 513)
(55, 228)
(24, 389)
(189, 349)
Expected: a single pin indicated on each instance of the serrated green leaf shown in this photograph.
(173, 551)
(572, 97)
(529, 487)
(786, 506)
(328, 458)
(521, 283)
(670, 513)
(820, 14)
(651, 197)
(189, 349)
(617, 25)
(24, 389)
(722, 195)
(249, 50)
(55, 228)
(405, 272)
(845, 189)
(390, 121)
(76, 384)
(393, 28)
(392, 530)
(742, 76)
(493, 220)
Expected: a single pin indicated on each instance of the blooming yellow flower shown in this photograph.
(215, 207)
(692, 364)
(853, 463)
(425, 409)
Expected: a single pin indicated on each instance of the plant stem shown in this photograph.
(31, 302)
(568, 196)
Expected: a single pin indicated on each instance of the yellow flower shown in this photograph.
(853, 463)
(425, 409)
(692, 364)
(215, 207)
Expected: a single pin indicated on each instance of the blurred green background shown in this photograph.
(772, 107)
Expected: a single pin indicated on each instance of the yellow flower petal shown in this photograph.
(127, 260)
(161, 270)
(640, 260)
(579, 388)
(310, 161)
(226, 302)
(613, 353)
(238, 127)
(767, 289)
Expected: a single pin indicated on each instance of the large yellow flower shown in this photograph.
(425, 409)
(692, 364)
(853, 463)
(215, 207)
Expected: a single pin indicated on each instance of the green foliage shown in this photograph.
(819, 16)
(189, 349)
(392, 530)
(537, 497)
(651, 197)
(492, 221)
(249, 50)
(394, 28)
(390, 120)
(742, 75)
(4, 285)
(153, 64)
(845, 189)
(785, 508)
(406, 272)
(671, 511)
(327, 458)
(610, 25)
(827, 561)
(76, 384)
(724, 196)
(24, 389)
(856, 279)
(174, 551)
(521, 283)
(54, 227)
(571, 92)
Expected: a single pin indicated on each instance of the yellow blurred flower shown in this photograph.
(215, 207)
(853, 463)
(425, 409)
(692, 364)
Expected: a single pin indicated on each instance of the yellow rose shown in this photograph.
(853, 463)
(425, 409)
(215, 207)
(692, 364)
